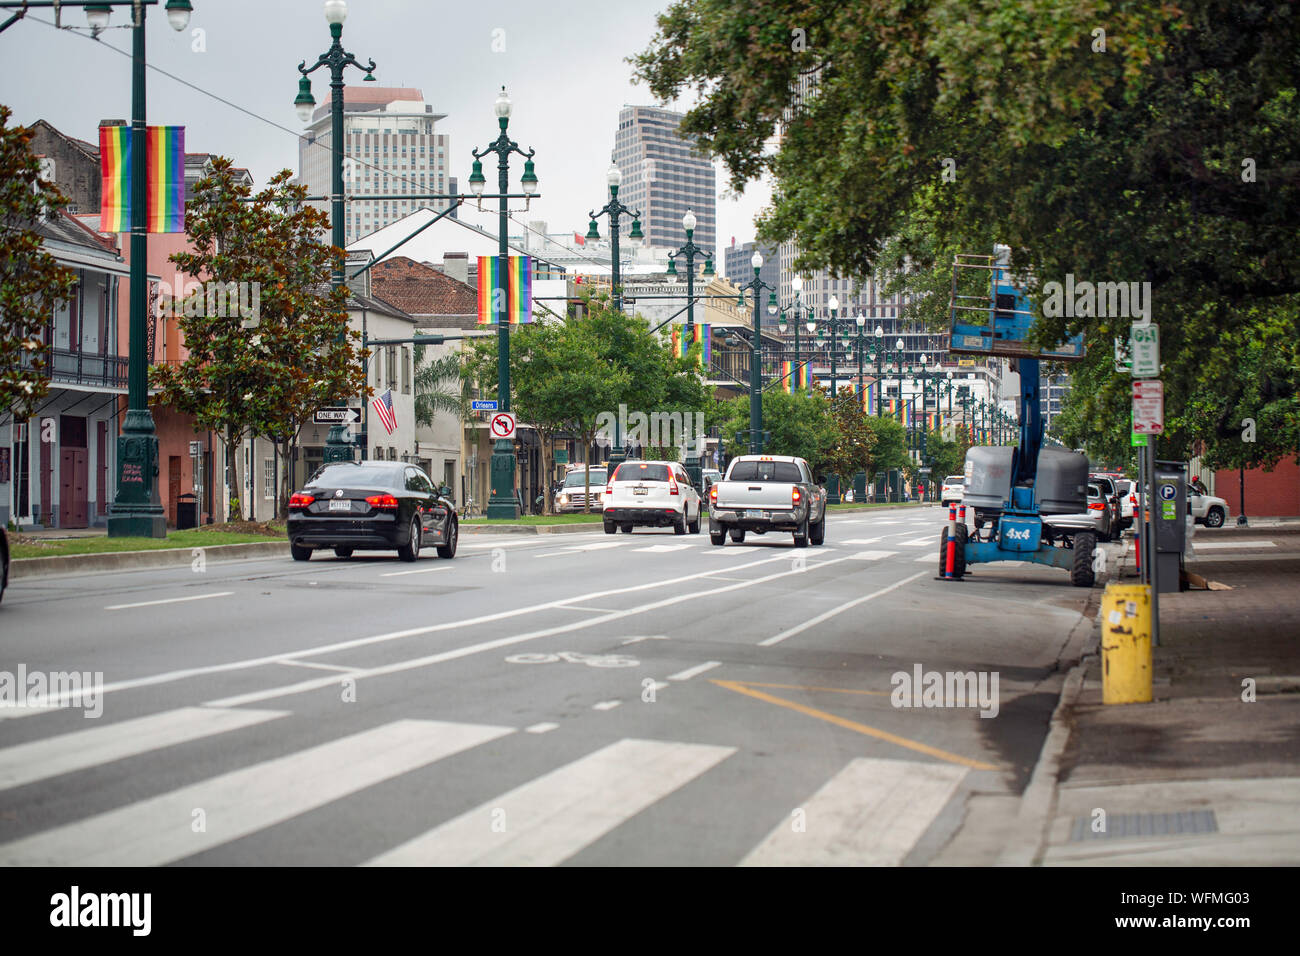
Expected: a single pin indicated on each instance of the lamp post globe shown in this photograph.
(689, 222)
(796, 283)
(178, 14)
(502, 105)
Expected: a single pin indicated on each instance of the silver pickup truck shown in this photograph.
(764, 493)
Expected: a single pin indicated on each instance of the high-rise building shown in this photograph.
(664, 178)
(739, 266)
(390, 149)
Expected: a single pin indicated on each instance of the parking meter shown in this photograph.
(1169, 514)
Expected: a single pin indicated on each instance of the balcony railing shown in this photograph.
(87, 368)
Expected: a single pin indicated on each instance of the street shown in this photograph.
(541, 699)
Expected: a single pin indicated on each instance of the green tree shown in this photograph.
(31, 281)
(889, 448)
(853, 439)
(800, 425)
(1162, 152)
(262, 373)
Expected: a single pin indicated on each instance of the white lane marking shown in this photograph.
(923, 558)
(663, 548)
(542, 728)
(659, 685)
(575, 607)
(470, 650)
(915, 542)
(398, 574)
(606, 705)
(827, 615)
(320, 667)
(158, 830)
(594, 546)
(1209, 545)
(695, 671)
(873, 555)
(559, 814)
(871, 813)
(167, 677)
(196, 597)
(862, 540)
(646, 637)
(26, 763)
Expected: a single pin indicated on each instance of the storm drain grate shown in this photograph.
(1121, 825)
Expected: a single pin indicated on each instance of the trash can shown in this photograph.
(187, 511)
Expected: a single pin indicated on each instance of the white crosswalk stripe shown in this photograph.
(871, 813)
(872, 555)
(27, 763)
(915, 542)
(664, 548)
(548, 820)
(159, 830)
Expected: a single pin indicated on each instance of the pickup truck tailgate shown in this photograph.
(737, 495)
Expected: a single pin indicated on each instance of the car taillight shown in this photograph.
(300, 502)
(1096, 507)
(672, 484)
(382, 502)
(609, 488)
(713, 494)
(794, 496)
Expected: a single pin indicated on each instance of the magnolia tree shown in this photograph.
(30, 279)
(260, 370)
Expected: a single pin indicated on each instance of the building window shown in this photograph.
(268, 478)
(406, 370)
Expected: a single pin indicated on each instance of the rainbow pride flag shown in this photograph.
(787, 377)
(513, 276)
(164, 148)
(701, 335)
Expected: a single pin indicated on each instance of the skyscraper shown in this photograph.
(664, 177)
(390, 149)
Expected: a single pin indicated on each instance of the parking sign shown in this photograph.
(1148, 407)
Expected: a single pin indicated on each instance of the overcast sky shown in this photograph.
(564, 65)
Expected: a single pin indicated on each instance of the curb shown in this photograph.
(1039, 798)
(140, 560)
(908, 507)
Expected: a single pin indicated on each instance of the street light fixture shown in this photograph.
(756, 287)
(614, 210)
(503, 503)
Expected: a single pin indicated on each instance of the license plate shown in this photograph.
(640, 491)
(341, 505)
(753, 514)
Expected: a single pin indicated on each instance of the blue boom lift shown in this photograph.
(1030, 502)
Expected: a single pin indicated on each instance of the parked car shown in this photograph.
(950, 492)
(1099, 509)
(572, 495)
(1127, 502)
(764, 493)
(707, 477)
(657, 494)
(4, 563)
(1110, 491)
(372, 506)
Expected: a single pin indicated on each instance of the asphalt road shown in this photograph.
(577, 699)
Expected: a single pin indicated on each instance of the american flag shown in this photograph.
(383, 406)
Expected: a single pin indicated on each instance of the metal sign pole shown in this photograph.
(1154, 565)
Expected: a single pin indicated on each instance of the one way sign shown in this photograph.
(337, 416)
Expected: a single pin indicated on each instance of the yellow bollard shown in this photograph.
(1126, 644)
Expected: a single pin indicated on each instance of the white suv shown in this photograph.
(951, 493)
(657, 494)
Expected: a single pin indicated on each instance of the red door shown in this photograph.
(173, 486)
(74, 502)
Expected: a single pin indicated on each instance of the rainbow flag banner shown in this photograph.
(164, 148)
(704, 336)
(787, 377)
(513, 276)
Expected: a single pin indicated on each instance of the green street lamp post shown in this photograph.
(503, 503)
(756, 357)
(338, 447)
(689, 251)
(136, 510)
(615, 210)
(898, 348)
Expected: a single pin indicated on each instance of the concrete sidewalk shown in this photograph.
(1208, 774)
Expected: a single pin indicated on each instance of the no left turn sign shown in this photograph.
(502, 425)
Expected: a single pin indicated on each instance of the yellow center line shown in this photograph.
(833, 690)
(855, 726)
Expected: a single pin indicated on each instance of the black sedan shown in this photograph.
(372, 506)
